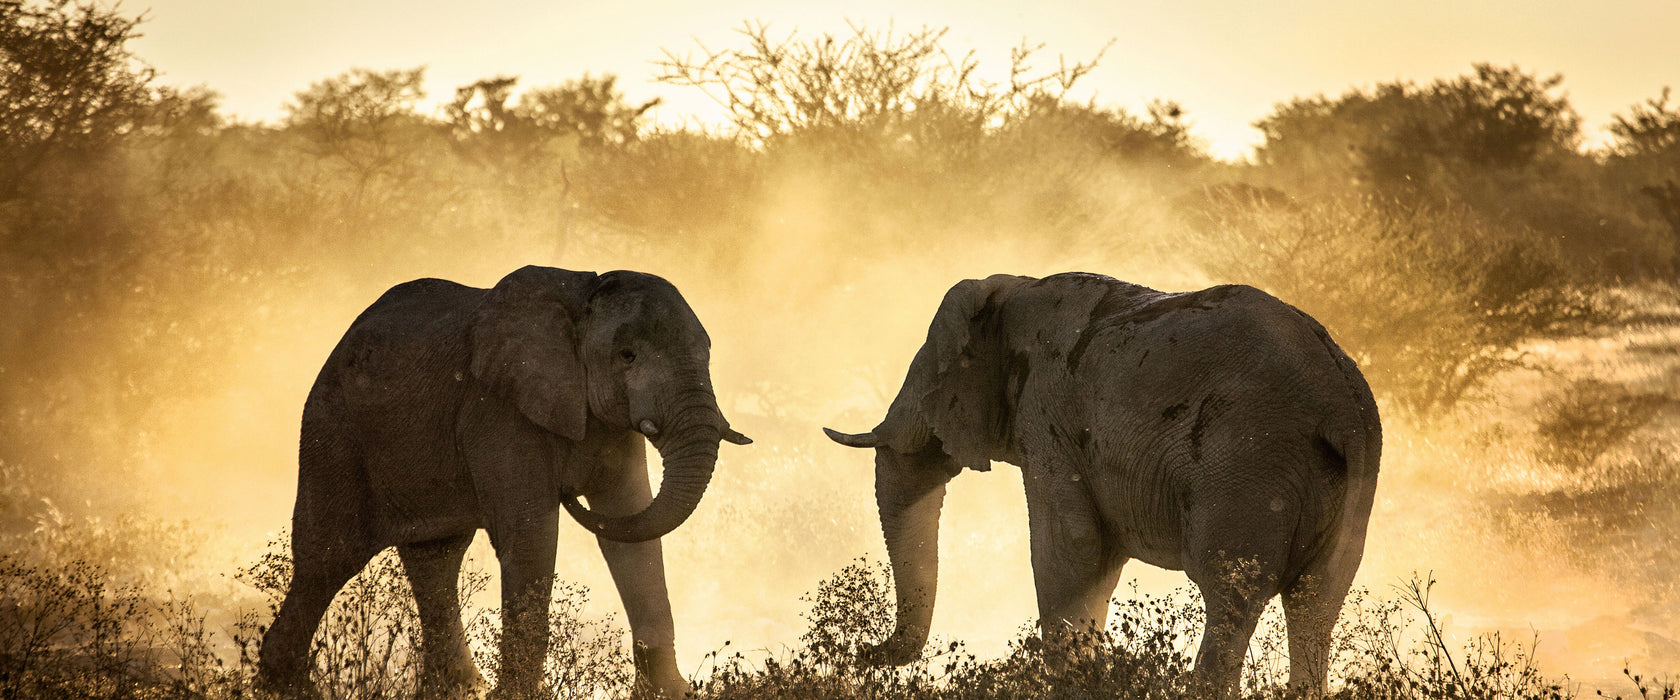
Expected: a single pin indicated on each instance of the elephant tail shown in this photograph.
(1360, 444)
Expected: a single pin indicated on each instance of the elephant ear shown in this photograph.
(525, 345)
(955, 390)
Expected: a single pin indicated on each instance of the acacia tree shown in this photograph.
(873, 83)
(534, 147)
(587, 113)
(360, 117)
(1502, 117)
(1421, 143)
(1500, 142)
(1646, 153)
(1651, 129)
(68, 85)
(592, 108)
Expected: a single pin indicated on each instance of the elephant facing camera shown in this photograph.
(446, 409)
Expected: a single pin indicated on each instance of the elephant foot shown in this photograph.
(1208, 687)
(501, 692)
(897, 650)
(657, 675)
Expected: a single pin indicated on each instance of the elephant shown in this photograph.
(1218, 432)
(446, 409)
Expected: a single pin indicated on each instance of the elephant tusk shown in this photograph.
(735, 438)
(648, 428)
(585, 517)
(868, 439)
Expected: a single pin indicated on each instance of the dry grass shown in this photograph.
(70, 632)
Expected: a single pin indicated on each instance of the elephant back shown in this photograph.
(408, 343)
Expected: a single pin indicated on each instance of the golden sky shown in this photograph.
(1228, 62)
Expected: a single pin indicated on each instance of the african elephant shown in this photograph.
(1218, 432)
(447, 408)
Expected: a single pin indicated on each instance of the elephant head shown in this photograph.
(949, 415)
(621, 347)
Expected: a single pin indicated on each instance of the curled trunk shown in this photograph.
(689, 453)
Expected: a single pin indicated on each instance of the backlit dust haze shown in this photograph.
(819, 296)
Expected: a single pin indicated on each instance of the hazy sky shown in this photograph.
(1227, 62)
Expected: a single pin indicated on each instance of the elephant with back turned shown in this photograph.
(1218, 432)
(446, 409)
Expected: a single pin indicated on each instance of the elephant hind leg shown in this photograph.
(433, 570)
(1242, 563)
(1310, 606)
(319, 571)
(1233, 611)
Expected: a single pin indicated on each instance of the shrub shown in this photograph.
(368, 645)
(586, 657)
(67, 632)
(1384, 648)
(1380, 656)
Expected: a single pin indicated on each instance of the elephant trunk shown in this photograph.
(909, 499)
(689, 452)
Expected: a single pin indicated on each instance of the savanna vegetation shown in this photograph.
(170, 279)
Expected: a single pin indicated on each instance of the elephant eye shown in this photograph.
(627, 355)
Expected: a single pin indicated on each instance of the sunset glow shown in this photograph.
(183, 253)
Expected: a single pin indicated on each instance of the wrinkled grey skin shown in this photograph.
(446, 409)
(1218, 432)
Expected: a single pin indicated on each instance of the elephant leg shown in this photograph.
(525, 547)
(1098, 598)
(433, 569)
(1310, 606)
(1232, 615)
(1237, 558)
(638, 571)
(1074, 572)
(330, 544)
(318, 572)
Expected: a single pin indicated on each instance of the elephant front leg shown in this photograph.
(638, 570)
(525, 547)
(1074, 569)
